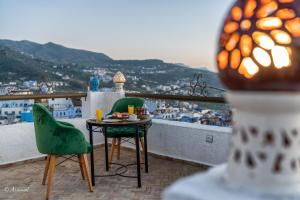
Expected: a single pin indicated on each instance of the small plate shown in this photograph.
(112, 120)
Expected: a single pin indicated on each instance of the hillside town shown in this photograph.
(16, 111)
(189, 112)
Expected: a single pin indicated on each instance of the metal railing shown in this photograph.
(141, 95)
(213, 103)
(178, 97)
(43, 96)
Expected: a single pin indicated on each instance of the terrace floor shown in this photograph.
(26, 178)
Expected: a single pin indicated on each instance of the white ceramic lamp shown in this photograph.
(119, 80)
(258, 60)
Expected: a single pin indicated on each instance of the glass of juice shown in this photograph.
(98, 115)
(130, 109)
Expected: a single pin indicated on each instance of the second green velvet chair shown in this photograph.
(116, 133)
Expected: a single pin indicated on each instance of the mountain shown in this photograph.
(26, 60)
(56, 53)
(18, 67)
(15, 65)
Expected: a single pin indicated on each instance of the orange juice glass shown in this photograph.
(130, 109)
(98, 115)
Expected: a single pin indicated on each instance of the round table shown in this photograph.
(142, 124)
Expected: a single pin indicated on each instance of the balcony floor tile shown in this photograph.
(68, 184)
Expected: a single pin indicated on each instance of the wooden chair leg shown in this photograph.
(111, 151)
(46, 170)
(50, 175)
(81, 167)
(119, 148)
(142, 148)
(85, 165)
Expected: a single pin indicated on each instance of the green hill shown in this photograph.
(56, 53)
(17, 67)
(14, 66)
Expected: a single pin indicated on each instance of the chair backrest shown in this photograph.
(121, 105)
(44, 125)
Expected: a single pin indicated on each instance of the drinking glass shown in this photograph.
(98, 115)
(130, 109)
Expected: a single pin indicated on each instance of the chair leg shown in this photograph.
(46, 170)
(51, 173)
(81, 167)
(111, 151)
(119, 148)
(142, 148)
(85, 165)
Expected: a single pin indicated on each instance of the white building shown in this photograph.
(63, 108)
(11, 110)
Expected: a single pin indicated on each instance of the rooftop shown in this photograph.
(68, 183)
(176, 150)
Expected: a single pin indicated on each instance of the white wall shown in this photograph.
(179, 140)
(186, 141)
(99, 100)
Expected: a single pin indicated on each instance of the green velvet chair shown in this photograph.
(56, 138)
(117, 133)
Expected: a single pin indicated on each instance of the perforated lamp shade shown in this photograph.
(119, 77)
(259, 46)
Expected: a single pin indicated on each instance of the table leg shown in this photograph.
(92, 154)
(146, 151)
(106, 149)
(138, 162)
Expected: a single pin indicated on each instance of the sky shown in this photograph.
(176, 31)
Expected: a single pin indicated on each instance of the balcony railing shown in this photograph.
(178, 97)
(42, 96)
(212, 103)
(141, 95)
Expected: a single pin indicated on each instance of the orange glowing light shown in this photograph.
(235, 59)
(236, 13)
(281, 37)
(293, 26)
(223, 59)
(232, 42)
(265, 1)
(248, 68)
(267, 9)
(269, 23)
(262, 57)
(286, 13)
(231, 27)
(280, 57)
(223, 39)
(286, 1)
(258, 38)
(245, 24)
(246, 45)
(263, 40)
(249, 8)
